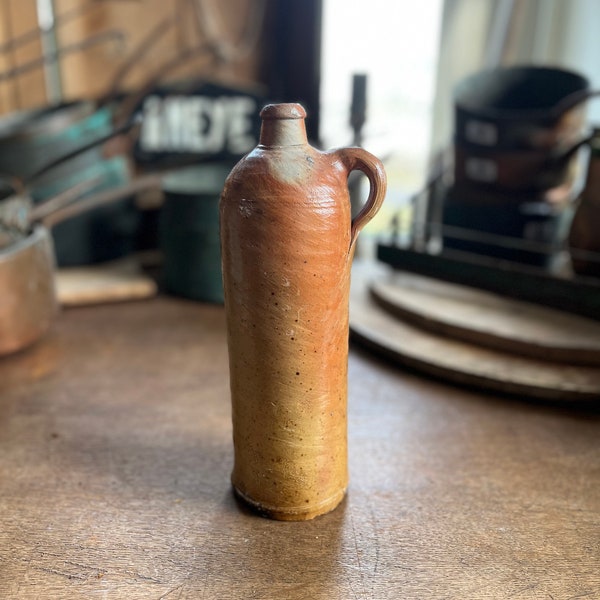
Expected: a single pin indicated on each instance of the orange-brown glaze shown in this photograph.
(287, 249)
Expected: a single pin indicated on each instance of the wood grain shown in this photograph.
(462, 362)
(115, 455)
(115, 281)
(90, 73)
(489, 320)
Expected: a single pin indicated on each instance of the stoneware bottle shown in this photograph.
(287, 242)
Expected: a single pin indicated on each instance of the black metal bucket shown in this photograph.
(525, 107)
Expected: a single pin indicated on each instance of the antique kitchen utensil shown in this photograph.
(520, 128)
(524, 107)
(18, 194)
(28, 303)
(67, 149)
(516, 155)
(287, 241)
(516, 170)
(29, 140)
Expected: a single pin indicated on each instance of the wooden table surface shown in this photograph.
(115, 454)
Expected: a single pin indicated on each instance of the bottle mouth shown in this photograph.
(290, 110)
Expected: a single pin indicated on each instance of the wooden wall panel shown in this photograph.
(18, 17)
(90, 72)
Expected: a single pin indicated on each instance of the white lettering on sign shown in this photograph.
(198, 124)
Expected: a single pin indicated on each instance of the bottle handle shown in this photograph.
(358, 159)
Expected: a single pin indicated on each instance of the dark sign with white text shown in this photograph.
(211, 122)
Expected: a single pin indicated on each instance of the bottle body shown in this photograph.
(286, 240)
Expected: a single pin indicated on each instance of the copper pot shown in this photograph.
(28, 303)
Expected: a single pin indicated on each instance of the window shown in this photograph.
(396, 45)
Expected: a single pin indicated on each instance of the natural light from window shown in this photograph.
(396, 45)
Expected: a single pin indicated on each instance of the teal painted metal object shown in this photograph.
(30, 143)
(103, 233)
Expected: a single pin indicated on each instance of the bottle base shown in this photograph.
(287, 513)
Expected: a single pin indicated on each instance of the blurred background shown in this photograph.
(117, 97)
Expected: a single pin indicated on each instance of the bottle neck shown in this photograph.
(283, 132)
(283, 125)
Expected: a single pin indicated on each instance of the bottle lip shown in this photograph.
(288, 110)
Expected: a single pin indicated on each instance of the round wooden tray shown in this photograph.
(488, 319)
(460, 360)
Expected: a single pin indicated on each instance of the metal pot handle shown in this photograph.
(562, 157)
(98, 199)
(125, 128)
(572, 100)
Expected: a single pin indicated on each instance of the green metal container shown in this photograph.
(189, 232)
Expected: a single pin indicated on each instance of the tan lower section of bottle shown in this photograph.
(292, 513)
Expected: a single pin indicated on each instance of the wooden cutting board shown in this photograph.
(116, 281)
(488, 319)
(461, 361)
